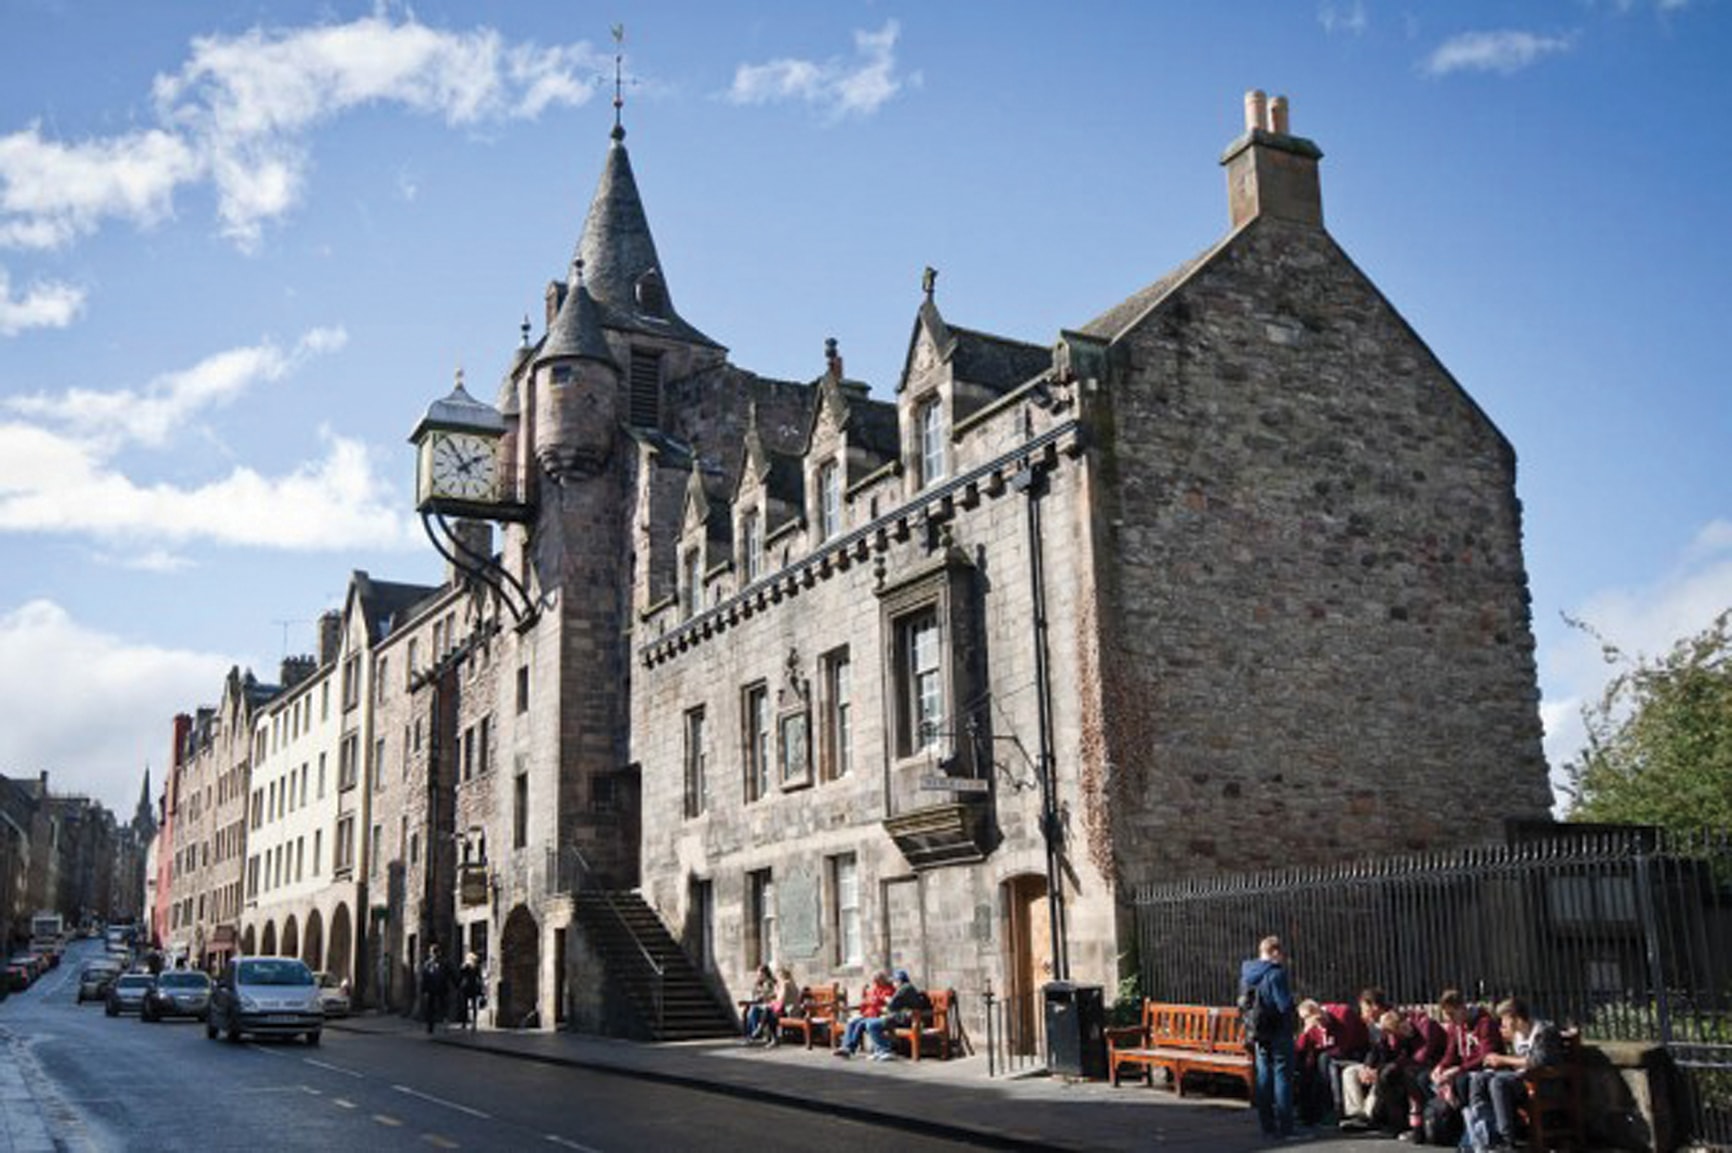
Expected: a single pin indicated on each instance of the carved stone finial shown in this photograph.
(929, 281)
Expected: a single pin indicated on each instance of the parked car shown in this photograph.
(266, 996)
(333, 994)
(94, 981)
(126, 994)
(17, 976)
(177, 993)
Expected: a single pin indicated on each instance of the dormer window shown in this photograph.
(692, 588)
(929, 433)
(652, 295)
(829, 500)
(752, 544)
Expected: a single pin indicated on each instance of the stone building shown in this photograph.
(937, 678)
(207, 803)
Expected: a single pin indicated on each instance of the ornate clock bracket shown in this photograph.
(480, 567)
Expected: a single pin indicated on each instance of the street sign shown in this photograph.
(954, 785)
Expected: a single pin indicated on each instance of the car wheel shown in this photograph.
(313, 1037)
(234, 1033)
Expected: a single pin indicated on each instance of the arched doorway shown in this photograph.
(1027, 958)
(519, 969)
(339, 959)
(291, 937)
(268, 942)
(247, 941)
(313, 941)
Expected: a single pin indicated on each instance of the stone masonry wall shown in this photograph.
(1314, 624)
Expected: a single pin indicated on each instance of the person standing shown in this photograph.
(1263, 985)
(469, 986)
(435, 986)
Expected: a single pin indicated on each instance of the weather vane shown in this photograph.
(618, 79)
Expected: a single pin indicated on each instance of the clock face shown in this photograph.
(462, 467)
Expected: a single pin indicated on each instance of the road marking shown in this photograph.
(258, 1048)
(569, 1144)
(442, 1101)
(342, 1103)
(333, 1068)
(442, 1142)
(386, 1119)
(313, 1091)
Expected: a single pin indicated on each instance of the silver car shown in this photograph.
(333, 994)
(126, 994)
(267, 997)
(177, 993)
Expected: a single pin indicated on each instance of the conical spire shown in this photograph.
(621, 267)
(576, 331)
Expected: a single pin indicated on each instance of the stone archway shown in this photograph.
(291, 937)
(339, 958)
(519, 968)
(313, 941)
(268, 942)
(247, 941)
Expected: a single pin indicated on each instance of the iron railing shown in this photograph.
(1625, 933)
(577, 875)
(1015, 1032)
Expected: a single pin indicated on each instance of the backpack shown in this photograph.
(1441, 1123)
(1262, 1020)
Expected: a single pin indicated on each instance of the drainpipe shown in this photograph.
(1033, 484)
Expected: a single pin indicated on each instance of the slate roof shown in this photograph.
(998, 362)
(385, 604)
(1112, 323)
(617, 249)
(576, 331)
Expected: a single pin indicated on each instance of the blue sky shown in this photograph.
(243, 246)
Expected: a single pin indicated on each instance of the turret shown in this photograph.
(577, 388)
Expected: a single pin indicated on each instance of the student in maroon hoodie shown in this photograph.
(1473, 1033)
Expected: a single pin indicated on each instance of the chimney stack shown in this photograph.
(1271, 172)
(330, 637)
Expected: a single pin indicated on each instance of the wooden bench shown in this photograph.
(932, 1024)
(1182, 1039)
(821, 1006)
(1552, 1109)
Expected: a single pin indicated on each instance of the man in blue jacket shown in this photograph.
(1269, 1032)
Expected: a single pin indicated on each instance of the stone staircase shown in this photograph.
(623, 928)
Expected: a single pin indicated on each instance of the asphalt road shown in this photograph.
(120, 1084)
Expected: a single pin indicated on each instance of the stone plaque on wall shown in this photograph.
(797, 907)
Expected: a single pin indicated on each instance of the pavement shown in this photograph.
(24, 1099)
(953, 1100)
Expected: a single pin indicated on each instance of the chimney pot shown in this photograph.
(1256, 109)
(1278, 115)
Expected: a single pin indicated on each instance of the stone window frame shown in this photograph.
(695, 762)
(755, 734)
(760, 934)
(829, 498)
(520, 810)
(931, 441)
(752, 555)
(943, 588)
(839, 917)
(836, 740)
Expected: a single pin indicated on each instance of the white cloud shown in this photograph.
(50, 484)
(57, 472)
(238, 112)
(1644, 621)
(108, 420)
(1506, 51)
(843, 87)
(42, 305)
(154, 560)
(1346, 17)
(90, 708)
(52, 193)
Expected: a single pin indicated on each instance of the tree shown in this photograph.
(1659, 741)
